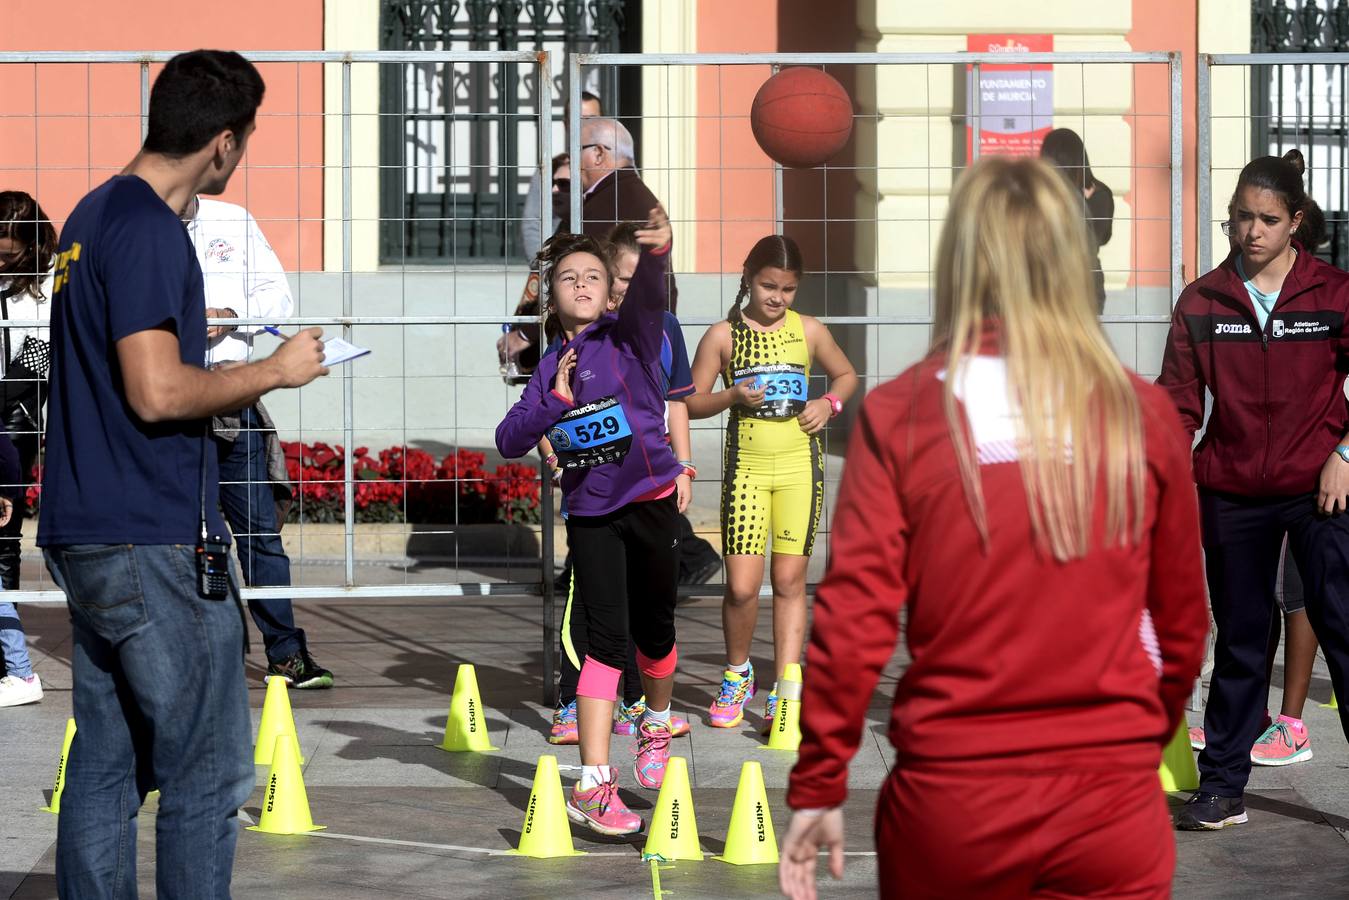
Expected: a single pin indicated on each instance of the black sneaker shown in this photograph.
(300, 672)
(1209, 812)
(704, 572)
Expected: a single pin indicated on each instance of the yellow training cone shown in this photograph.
(1178, 770)
(785, 731)
(466, 727)
(674, 830)
(750, 840)
(277, 721)
(1333, 704)
(547, 832)
(285, 805)
(61, 769)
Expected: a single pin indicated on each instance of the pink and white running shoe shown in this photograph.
(653, 751)
(601, 809)
(628, 717)
(1281, 745)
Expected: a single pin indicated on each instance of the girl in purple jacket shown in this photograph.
(601, 404)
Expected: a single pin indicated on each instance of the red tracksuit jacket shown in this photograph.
(1019, 663)
(1278, 401)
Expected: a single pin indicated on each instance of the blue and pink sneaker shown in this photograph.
(770, 712)
(601, 809)
(564, 725)
(628, 717)
(728, 710)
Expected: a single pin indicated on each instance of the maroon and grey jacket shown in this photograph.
(1278, 394)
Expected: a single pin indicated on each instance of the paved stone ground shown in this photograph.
(405, 819)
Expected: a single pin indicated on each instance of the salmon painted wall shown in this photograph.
(1164, 25)
(67, 128)
(735, 178)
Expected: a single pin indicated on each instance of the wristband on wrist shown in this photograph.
(835, 405)
(551, 459)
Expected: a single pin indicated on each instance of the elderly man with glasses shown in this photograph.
(614, 192)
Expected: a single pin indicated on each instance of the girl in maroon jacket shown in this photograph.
(1015, 488)
(1264, 334)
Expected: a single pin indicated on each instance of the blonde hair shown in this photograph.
(1014, 250)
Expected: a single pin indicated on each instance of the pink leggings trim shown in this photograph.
(658, 668)
(597, 680)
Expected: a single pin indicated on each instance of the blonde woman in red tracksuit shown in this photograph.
(1028, 503)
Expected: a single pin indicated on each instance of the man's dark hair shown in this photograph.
(586, 97)
(197, 96)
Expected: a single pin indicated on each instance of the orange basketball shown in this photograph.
(801, 117)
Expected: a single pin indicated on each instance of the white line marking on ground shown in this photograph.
(422, 845)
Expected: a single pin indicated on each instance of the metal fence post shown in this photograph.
(1204, 161)
(547, 549)
(574, 138)
(1177, 179)
(348, 386)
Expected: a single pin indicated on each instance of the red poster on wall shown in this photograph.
(1016, 102)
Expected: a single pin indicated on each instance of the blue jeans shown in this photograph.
(13, 644)
(160, 699)
(246, 497)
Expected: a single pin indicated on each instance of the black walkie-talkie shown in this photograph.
(213, 565)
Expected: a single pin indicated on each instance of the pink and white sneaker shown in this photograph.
(628, 717)
(1197, 740)
(1282, 745)
(601, 809)
(653, 751)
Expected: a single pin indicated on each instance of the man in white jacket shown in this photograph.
(244, 280)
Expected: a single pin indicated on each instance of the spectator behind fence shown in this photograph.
(614, 192)
(531, 233)
(518, 346)
(1017, 479)
(130, 518)
(244, 279)
(1064, 148)
(20, 684)
(27, 250)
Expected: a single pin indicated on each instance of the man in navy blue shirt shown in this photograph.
(130, 488)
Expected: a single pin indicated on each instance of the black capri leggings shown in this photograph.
(626, 566)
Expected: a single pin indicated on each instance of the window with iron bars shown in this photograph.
(1303, 106)
(459, 143)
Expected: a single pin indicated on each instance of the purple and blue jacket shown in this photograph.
(611, 440)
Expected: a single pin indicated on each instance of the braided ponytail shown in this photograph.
(735, 314)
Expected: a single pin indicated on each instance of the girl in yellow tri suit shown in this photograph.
(773, 480)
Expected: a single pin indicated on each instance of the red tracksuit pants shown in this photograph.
(1084, 834)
